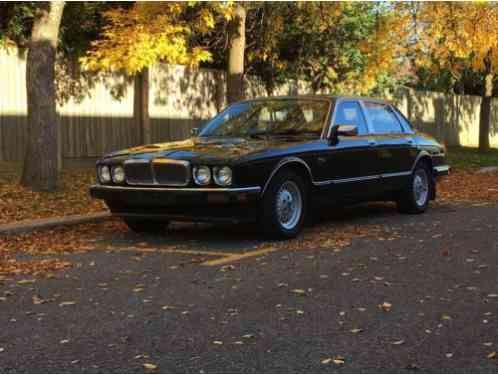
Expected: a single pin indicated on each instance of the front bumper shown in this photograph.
(189, 204)
(441, 170)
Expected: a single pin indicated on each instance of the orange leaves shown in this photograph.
(18, 203)
(462, 185)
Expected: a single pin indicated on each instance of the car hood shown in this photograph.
(225, 150)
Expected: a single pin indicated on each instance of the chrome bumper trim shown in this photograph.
(442, 168)
(252, 189)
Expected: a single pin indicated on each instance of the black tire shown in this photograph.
(412, 202)
(269, 220)
(145, 226)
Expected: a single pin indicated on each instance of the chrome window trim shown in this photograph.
(251, 189)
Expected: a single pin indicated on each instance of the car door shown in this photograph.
(350, 164)
(395, 146)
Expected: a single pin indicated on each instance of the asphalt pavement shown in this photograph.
(425, 300)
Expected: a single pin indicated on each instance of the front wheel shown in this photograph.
(145, 226)
(415, 198)
(284, 205)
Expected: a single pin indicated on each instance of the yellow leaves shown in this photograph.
(153, 31)
(492, 355)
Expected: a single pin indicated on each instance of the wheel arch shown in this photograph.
(424, 156)
(297, 164)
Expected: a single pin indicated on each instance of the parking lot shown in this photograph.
(365, 289)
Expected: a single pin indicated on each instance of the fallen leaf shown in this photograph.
(239, 343)
(299, 312)
(356, 330)
(300, 292)
(326, 361)
(149, 366)
(385, 306)
(166, 307)
(67, 303)
(2, 350)
(65, 341)
(449, 355)
(445, 317)
(339, 360)
(248, 336)
(37, 300)
(26, 281)
(216, 342)
(398, 342)
(491, 355)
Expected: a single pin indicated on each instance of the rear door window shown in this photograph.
(382, 118)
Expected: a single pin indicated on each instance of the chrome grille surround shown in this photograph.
(171, 172)
(155, 172)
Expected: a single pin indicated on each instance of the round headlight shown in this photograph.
(118, 175)
(202, 175)
(104, 174)
(223, 176)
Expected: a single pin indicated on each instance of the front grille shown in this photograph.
(138, 172)
(171, 172)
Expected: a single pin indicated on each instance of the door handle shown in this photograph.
(372, 143)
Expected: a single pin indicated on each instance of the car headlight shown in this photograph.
(202, 175)
(222, 176)
(104, 174)
(118, 175)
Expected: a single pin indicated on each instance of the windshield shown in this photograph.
(269, 118)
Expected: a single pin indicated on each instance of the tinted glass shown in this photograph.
(382, 118)
(269, 117)
(406, 124)
(349, 113)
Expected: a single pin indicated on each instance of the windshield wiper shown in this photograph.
(295, 133)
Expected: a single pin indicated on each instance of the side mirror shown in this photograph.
(342, 130)
(194, 132)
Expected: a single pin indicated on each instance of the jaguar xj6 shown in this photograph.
(270, 161)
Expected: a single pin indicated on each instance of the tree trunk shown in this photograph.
(485, 113)
(237, 35)
(40, 162)
(141, 103)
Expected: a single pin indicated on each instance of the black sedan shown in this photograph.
(271, 160)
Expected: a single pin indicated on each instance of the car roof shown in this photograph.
(319, 96)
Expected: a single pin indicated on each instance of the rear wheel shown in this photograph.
(415, 198)
(284, 205)
(145, 226)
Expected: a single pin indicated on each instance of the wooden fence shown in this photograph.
(99, 115)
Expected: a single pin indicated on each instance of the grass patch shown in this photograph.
(471, 158)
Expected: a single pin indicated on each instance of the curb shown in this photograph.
(27, 226)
